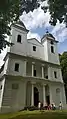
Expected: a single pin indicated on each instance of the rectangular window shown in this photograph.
(52, 49)
(15, 86)
(19, 38)
(1, 87)
(34, 48)
(55, 74)
(17, 67)
(34, 72)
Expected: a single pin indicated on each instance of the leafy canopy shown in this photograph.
(63, 63)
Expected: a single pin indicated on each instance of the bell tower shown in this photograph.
(19, 38)
(50, 48)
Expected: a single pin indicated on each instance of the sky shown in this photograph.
(37, 22)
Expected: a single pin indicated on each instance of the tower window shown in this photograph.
(52, 42)
(16, 67)
(52, 49)
(34, 72)
(34, 48)
(55, 74)
(19, 38)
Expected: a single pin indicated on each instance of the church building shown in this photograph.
(31, 72)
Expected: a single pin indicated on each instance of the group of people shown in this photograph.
(49, 107)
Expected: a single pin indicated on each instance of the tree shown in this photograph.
(10, 10)
(58, 11)
(63, 63)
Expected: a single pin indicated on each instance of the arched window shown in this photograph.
(52, 49)
(19, 38)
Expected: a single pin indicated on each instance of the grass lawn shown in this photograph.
(35, 115)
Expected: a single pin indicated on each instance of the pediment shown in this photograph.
(35, 41)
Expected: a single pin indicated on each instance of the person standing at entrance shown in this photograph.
(60, 106)
(39, 105)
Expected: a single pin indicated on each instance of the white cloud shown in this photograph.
(35, 19)
(44, 3)
(60, 32)
(39, 19)
(33, 35)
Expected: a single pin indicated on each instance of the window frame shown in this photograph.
(34, 48)
(52, 49)
(55, 74)
(16, 68)
(18, 38)
(35, 72)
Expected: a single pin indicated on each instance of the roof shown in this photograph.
(2, 67)
(36, 40)
(49, 36)
(20, 25)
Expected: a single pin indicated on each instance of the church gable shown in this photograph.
(34, 41)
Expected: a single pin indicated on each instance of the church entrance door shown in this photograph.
(48, 99)
(36, 96)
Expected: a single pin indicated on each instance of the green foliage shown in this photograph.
(63, 62)
(9, 12)
(58, 11)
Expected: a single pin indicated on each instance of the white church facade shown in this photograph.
(31, 72)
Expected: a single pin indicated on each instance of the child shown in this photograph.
(60, 106)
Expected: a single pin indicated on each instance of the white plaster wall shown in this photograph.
(15, 99)
(52, 57)
(39, 53)
(56, 98)
(45, 50)
(22, 67)
(18, 48)
(2, 90)
(51, 74)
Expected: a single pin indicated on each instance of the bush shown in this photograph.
(31, 108)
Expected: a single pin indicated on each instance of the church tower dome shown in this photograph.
(48, 36)
(20, 25)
